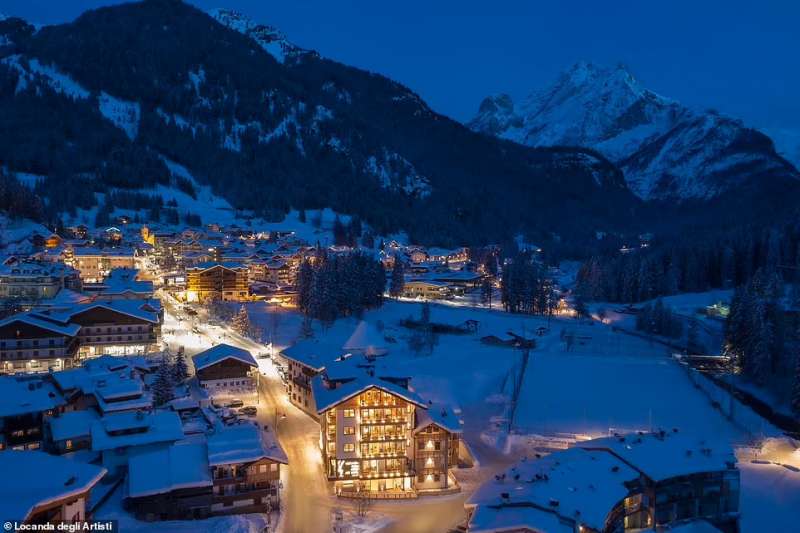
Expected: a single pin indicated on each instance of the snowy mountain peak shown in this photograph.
(271, 39)
(665, 150)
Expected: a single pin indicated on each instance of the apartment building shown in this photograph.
(31, 342)
(36, 280)
(95, 264)
(224, 281)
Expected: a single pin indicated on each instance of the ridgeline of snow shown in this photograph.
(272, 40)
(665, 149)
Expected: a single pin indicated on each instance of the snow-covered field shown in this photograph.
(770, 498)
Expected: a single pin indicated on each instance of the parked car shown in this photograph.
(234, 404)
(248, 411)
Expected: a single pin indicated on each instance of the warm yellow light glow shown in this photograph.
(429, 445)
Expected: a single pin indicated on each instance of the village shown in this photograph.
(156, 374)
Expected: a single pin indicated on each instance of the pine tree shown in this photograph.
(486, 291)
(163, 390)
(305, 278)
(241, 322)
(398, 280)
(180, 371)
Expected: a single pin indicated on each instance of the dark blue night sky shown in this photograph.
(740, 57)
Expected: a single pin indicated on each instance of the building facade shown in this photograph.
(30, 344)
(36, 280)
(366, 443)
(226, 282)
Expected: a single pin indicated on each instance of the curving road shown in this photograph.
(307, 502)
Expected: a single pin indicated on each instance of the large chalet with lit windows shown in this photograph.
(223, 281)
(38, 341)
(379, 438)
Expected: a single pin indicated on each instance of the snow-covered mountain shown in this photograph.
(666, 150)
(271, 39)
(94, 107)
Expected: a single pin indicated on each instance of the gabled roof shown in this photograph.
(210, 265)
(312, 353)
(220, 352)
(441, 415)
(24, 395)
(159, 426)
(663, 455)
(40, 479)
(326, 398)
(180, 466)
(140, 309)
(585, 484)
(243, 443)
(366, 339)
(72, 424)
(44, 322)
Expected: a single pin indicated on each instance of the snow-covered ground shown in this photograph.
(598, 391)
(770, 498)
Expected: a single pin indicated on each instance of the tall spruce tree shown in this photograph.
(163, 389)
(398, 280)
(241, 322)
(180, 371)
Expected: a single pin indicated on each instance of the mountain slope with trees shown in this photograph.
(96, 104)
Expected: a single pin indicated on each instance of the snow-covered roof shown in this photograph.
(72, 424)
(65, 297)
(441, 415)
(570, 485)
(212, 264)
(141, 402)
(243, 443)
(180, 466)
(135, 429)
(486, 519)
(35, 478)
(122, 280)
(326, 397)
(354, 366)
(366, 339)
(33, 319)
(313, 353)
(220, 352)
(431, 283)
(662, 455)
(24, 395)
(460, 275)
(143, 309)
(105, 252)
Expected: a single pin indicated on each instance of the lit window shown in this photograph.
(349, 413)
(349, 430)
(350, 447)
